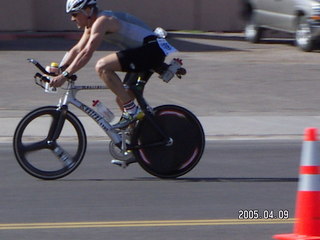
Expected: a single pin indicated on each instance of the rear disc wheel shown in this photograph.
(184, 150)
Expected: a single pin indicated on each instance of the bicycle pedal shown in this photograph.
(123, 163)
(119, 163)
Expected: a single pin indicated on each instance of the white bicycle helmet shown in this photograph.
(77, 5)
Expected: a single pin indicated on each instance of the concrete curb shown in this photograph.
(7, 36)
(76, 35)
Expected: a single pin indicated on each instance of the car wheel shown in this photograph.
(253, 32)
(304, 35)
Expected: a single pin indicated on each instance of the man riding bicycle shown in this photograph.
(141, 50)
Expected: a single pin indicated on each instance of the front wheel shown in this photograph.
(252, 32)
(45, 151)
(303, 36)
(181, 154)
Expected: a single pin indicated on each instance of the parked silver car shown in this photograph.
(301, 17)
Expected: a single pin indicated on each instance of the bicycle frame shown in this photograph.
(70, 98)
(136, 84)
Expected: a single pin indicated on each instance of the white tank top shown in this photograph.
(132, 31)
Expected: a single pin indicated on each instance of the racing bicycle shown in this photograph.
(50, 142)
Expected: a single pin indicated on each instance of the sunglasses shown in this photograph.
(75, 14)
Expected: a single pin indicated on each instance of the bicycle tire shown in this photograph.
(38, 156)
(183, 127)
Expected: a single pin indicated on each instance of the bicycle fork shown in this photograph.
(54, 133)
(57, 123)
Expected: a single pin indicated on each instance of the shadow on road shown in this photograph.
(151, 179)
(238, 179)
(56, 42)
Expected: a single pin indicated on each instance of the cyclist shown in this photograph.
(141, 50)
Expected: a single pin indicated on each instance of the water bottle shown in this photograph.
(103, 110)
(53, 68)
(168, 74)
(160, 32)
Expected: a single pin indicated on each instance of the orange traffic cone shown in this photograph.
(307, 224)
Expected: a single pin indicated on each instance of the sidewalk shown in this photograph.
(216, 128)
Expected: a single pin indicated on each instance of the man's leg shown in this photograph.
(106, 68)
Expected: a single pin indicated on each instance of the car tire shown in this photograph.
(303, 35)
(252, 31)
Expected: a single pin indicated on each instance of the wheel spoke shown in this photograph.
(31, 147)
(63, 156)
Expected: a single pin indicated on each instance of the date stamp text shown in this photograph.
(251, 214)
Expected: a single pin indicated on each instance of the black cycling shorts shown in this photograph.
(147, 57)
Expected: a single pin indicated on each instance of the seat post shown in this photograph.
(137, 87)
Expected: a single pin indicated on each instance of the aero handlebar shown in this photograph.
(43, 70)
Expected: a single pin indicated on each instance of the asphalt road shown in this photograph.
(101, 201)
